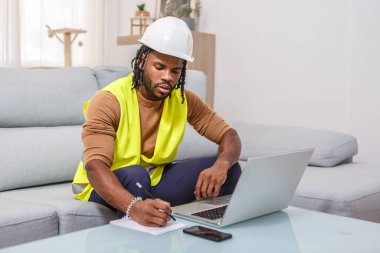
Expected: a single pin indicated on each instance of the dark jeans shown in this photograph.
(177, 184)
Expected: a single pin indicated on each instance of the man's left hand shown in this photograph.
(209, 182)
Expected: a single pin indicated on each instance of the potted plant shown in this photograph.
(141, 11)
(184, 12)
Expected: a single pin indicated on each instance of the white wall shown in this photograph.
(364, 113)
(296, 62)
(287, 60)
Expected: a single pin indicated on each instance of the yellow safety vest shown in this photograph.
(127, 144)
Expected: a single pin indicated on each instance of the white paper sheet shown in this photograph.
(130, 224)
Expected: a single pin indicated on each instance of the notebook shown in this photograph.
(266, 185)
(130, 224)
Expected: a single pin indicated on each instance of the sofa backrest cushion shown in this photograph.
(44, 97)
(107, 74)
(196, 82)
(194, 146)
(33, 156)
(331, 148)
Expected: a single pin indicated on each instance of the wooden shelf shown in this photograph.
(204, 57)
(128, 40)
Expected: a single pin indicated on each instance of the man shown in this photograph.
(133, 129)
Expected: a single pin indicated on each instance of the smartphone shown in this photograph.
(207, 233)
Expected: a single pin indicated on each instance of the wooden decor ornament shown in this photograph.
(67, 40)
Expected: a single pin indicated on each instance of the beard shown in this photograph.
(151, 88)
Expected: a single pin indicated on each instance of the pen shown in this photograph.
(151, 196)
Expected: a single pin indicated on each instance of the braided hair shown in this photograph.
(138, 65)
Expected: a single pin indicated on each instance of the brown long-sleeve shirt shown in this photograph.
(103, 116)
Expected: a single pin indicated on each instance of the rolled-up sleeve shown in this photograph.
(204, 120)
(99, 129)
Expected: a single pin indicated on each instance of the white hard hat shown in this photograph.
(171, 36)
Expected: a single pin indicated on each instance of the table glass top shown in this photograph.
(291, 230)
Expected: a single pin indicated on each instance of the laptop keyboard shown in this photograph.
(212, 214)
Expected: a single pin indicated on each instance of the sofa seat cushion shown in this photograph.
(73, 214)
(351, 190)
(22, 222)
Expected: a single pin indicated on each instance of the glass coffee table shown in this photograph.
(290, 230)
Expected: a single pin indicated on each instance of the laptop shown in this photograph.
(266, 185)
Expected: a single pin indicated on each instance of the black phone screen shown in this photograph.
(207, 233)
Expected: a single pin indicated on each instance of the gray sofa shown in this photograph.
(40, 136)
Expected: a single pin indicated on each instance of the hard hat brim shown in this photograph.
(167, 51)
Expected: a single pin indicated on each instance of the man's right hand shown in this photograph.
(151, 212)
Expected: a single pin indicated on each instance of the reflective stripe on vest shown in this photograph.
(170, 133)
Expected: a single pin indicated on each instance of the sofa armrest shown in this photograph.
(331, 148)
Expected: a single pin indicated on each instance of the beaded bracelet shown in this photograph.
(131, 204)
